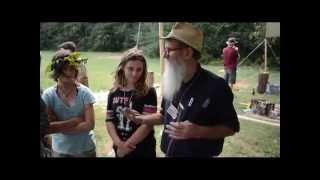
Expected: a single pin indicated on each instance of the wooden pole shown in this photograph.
(264, 76)
(161, 53)
(265, 55)
(150, 79)
(161, 48)
(138, 37)
(251, 53)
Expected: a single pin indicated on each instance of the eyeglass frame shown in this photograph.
(168, 50)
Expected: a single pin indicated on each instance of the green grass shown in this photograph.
(247, 79)
(101, 131)
(254, 139)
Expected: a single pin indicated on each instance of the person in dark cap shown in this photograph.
(231, 57)
(82, 75)
(196, 109)
(68, 45)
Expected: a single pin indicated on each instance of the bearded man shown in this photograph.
(197, 108)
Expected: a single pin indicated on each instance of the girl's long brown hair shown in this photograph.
(141, 87)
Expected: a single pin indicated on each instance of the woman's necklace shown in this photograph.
(123, 109)
(130, 102)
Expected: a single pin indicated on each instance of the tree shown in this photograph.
(118, 36)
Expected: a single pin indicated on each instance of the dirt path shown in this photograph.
(259, 121)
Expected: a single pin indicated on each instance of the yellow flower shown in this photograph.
(74, 59)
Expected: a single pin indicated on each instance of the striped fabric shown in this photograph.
(149, 109)
(110, 114)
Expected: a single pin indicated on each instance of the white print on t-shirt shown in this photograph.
(181, 106)
(120, 100)
(120, 116)
(206, 103)
(190, 102)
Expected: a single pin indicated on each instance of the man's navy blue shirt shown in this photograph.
(207, 100)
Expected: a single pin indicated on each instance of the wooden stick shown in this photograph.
(161, 47)
(265, 55)
(161, 53)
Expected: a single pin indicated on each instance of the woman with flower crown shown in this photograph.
(70, 108)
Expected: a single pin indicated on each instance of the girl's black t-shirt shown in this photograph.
(118, 100)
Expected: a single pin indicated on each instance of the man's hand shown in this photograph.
(124, 148)
(182, 130)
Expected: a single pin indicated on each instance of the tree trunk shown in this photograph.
(262, 82)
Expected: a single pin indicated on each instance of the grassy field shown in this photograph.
(254, 140)
(100, 66)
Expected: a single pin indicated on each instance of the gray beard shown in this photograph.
(172, 79)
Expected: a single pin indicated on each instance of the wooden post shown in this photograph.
(161, 53)
(265, 55)
(161, 48)
(262, 82)
(264, 76)
(150, 79)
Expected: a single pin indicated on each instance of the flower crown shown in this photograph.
(74, 59)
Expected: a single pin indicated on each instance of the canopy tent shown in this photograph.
(273, 29)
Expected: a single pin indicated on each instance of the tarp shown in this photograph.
(273, 29)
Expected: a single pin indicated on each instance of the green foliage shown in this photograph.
(118, 36)
(149, 39)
